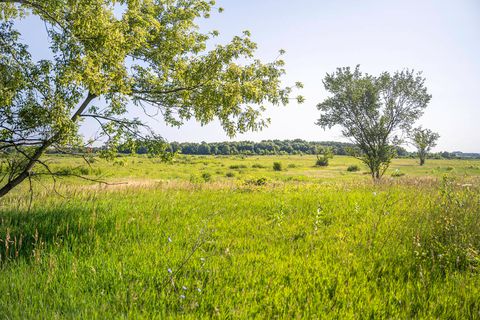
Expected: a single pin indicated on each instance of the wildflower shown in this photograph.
(202, 259)
(182, 296)
(169, 239)
(374, 194)
(199, 290)
(169, 270)
(184, 288)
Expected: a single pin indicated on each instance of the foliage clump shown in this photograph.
(353, 168)
(106, 66)
(206, 176)
(277, 166)
(373, 111)
(257, 182)
(324, 154)
(424, 140)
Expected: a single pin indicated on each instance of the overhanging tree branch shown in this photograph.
(40, 150)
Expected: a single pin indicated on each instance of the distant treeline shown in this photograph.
(275, 147)
(265, 147)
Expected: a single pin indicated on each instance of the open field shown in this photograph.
(229, 237)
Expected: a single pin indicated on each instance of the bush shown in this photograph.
(321, 162)
(323, 155)
(230, 174)
(206, 176)
(237, 166)
(353, 168)
(277, 166)
(258, 182)
(258, 165)
(292, 165)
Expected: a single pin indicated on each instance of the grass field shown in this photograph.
(229, 237)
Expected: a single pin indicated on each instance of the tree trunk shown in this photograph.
(39, 152)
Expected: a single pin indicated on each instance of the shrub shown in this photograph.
(353, 168)
(292, 165)
(323, 155)
(230, 174)
(237, 166)
(321, 162)
(206, 176)
(258, 165)
(277, 166)
(257, 182)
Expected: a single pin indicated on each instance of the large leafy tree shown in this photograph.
(373, 111)
(108, 57)
(424, 140)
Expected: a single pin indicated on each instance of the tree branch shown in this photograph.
(40, 150)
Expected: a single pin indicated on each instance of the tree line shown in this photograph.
(264, 147)
(281, 147)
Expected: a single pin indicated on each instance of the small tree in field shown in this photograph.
(323, 155)
(373, 111)
(111, 59)
(424, 140)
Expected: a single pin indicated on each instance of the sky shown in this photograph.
(440, 38)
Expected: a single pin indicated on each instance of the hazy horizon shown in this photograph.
(439, 38)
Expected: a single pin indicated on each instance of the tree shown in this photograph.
(424, 140)
(109, 58)
(373, 111)
(323, 155)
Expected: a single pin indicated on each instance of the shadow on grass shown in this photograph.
(26, 235)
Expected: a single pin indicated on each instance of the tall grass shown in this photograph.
(326, 248)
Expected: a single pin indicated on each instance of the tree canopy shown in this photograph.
(374, 111)
(109, 57)
(424, 140)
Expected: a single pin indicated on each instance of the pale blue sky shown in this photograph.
(440, 38)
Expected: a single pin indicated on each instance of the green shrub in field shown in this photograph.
(323, 155)
(397, 173)
(258, 166)
(206, 176)
(257, 182)
(230, 174)
(238, 166)
(353, 168)
(277, 166)
(292, 165)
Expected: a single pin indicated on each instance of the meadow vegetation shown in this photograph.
(231, 237)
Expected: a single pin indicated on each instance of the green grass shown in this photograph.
(308, 243)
